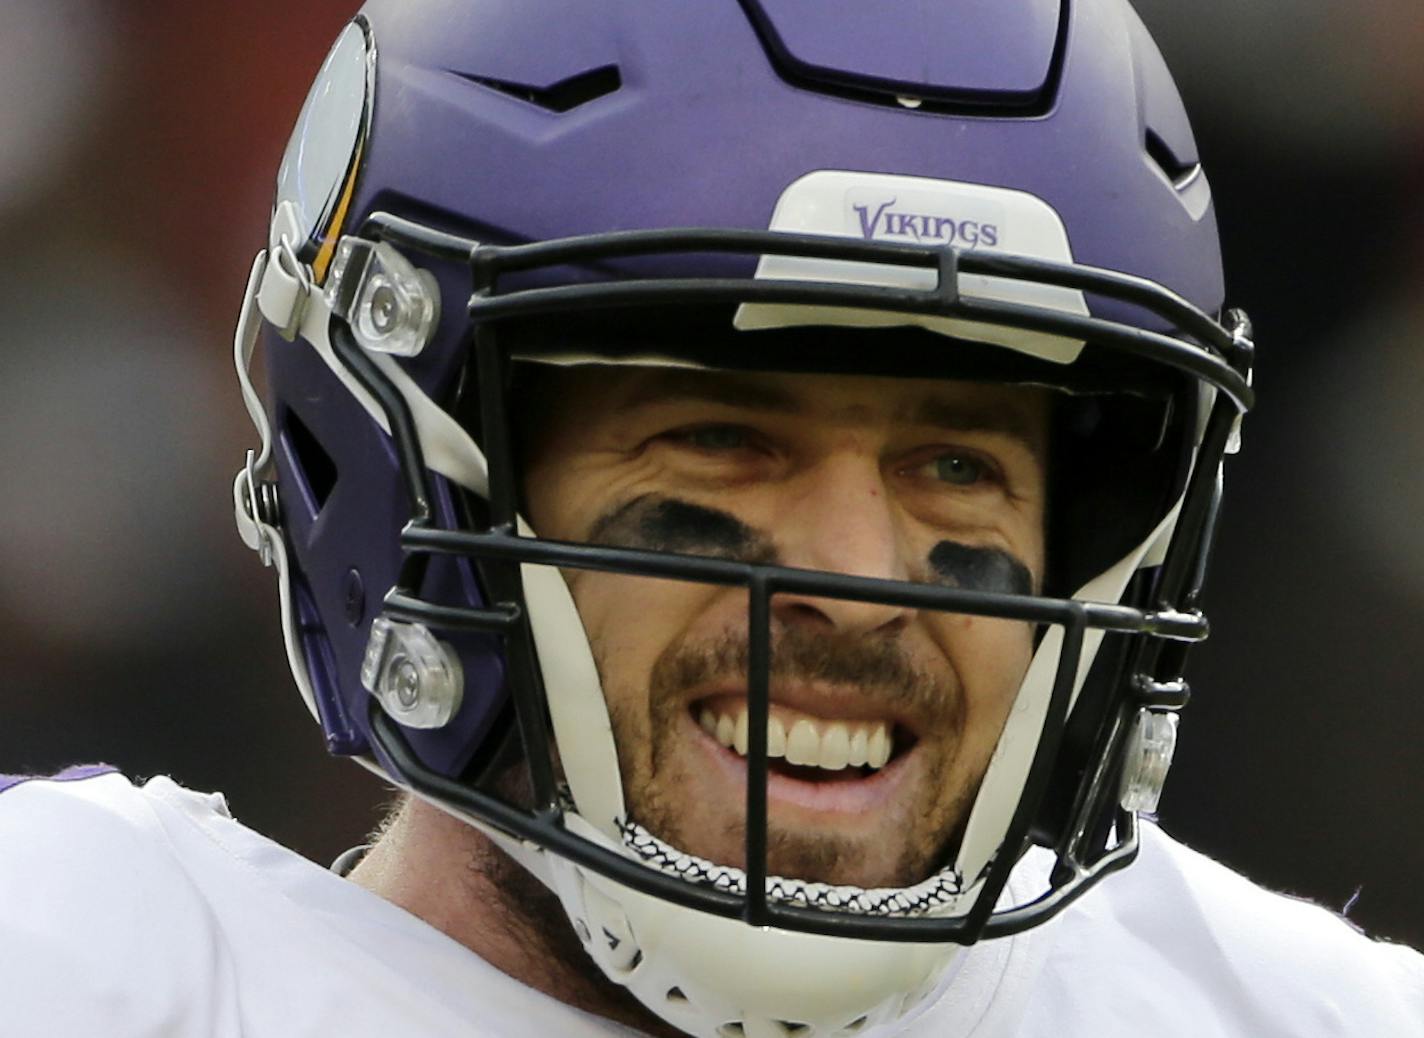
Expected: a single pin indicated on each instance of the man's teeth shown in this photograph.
(832, 745)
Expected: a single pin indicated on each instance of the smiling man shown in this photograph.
(883, 718)
(745, 471)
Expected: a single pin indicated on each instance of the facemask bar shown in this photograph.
(501, 549)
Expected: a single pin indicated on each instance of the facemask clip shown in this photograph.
(416, 678)
(1150, 746)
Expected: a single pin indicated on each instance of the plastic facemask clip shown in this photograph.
(391, 305)
(1150, 746)
(416, 678)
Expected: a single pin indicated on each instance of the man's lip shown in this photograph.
(826, 703)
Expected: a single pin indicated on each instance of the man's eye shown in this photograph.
(962, 470)
(714, 437)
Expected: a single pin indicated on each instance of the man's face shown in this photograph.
(883, 718)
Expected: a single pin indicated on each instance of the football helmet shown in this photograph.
(1005, 192)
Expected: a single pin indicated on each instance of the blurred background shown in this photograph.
(138, 147)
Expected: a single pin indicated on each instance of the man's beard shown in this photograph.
(881, 672)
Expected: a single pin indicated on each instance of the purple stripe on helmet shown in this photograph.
(73, 773)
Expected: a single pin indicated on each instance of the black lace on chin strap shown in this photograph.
(940, 890)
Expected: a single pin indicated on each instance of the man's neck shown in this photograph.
(453, 877)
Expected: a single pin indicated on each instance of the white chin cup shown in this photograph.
(720, 978)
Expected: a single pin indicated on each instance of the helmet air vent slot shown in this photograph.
(563, 96)
(1180, 173)
(941, 58)
(313, 466)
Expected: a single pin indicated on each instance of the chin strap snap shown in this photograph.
(252, 524)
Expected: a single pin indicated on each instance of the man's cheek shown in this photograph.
(630, 621)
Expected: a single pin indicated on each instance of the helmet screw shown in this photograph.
(405, 682)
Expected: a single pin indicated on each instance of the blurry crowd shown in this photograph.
(138, 144)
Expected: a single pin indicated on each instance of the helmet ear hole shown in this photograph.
(314, 468)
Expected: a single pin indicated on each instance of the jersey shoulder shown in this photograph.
(1212, 948)
(101, 928)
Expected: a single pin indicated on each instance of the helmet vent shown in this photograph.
(313, 466)
(563, 96)
(944, 58)
(1173, 168)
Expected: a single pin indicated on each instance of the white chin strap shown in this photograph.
(1003, 782)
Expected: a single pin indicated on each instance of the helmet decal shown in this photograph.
(318, 172)
(883, 207)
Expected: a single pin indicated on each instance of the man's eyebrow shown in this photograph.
(977, 416)
(729, 389)
(682, 385)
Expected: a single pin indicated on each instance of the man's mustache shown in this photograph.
(878, 669)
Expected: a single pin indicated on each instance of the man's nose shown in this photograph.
(840, 519)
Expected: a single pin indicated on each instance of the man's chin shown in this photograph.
(822, 859)
(814, 857)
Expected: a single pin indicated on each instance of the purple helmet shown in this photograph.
(966, 190)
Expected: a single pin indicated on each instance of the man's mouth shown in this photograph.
(802, 745)
(839, 766)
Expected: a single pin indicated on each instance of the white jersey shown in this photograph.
(144, 911)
